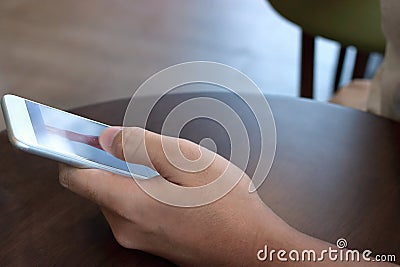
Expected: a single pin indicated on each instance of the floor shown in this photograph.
(72, 53)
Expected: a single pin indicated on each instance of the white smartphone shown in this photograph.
(62, 136)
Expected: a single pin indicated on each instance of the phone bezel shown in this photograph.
(18, 123)
(21, 134)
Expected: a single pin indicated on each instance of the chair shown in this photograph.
(349, 22)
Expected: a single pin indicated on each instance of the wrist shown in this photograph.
(271, 236)
(275, 244)
(279, 244)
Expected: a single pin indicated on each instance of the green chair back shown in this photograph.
(350, 22)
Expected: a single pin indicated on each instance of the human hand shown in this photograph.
(228, 231)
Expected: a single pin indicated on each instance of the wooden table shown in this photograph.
(336, 175)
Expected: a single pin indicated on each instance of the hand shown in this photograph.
(229, 231)
(215, 233)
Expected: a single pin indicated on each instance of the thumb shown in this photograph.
(139, 146)
(127, 144)
(171, 157)
(107, 137)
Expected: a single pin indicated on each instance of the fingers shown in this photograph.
(178, 160)
(114, 192)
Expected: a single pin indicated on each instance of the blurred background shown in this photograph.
(73, 53)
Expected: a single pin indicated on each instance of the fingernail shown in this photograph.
(107, 137)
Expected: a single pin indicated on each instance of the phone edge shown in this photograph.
(76, 162)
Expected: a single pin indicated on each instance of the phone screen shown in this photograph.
(70, 134)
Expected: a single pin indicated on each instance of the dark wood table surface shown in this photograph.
(336, 174)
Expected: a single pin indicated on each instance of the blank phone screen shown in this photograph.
(70, 134)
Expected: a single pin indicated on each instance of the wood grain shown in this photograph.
(73, 53)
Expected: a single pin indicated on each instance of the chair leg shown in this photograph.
(360, 65)
(307, 65)
(339, 67)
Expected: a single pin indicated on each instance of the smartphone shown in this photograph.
(62, 136)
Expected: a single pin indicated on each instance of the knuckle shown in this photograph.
(131, 142)
(133, 133)
(64, 176)
(117, 148)
(189, 150)
(123, 240)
